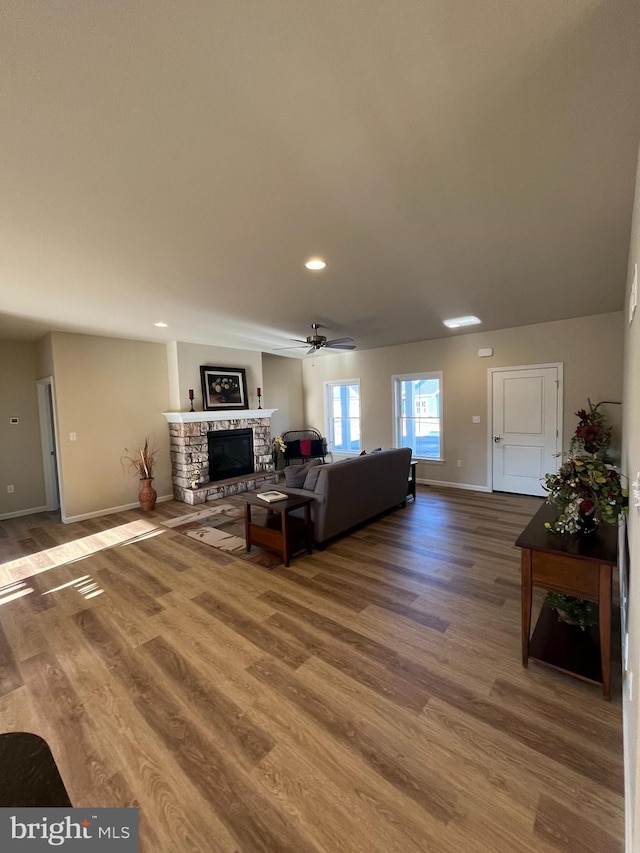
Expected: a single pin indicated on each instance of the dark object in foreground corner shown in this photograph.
(29, 777)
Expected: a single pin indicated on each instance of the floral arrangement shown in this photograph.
(279, 448)
(587, 489)
(140, 462)
(593, 434)
(279, 445)
(225, 386)
(586, 485)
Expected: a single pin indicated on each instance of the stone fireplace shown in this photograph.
(189, 445)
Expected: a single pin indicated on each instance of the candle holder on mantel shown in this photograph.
(191, 398)
(259, 399)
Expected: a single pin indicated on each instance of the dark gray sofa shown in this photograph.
(350, 492)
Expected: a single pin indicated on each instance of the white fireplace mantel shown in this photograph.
(229, 415)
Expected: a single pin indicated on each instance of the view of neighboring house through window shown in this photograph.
(418, 413)
(342, 411)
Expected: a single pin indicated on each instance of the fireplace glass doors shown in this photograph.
(230, 453)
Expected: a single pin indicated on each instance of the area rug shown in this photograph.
(221, 525)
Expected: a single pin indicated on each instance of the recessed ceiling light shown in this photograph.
(315, 264)
(461, 321)
(161, 325)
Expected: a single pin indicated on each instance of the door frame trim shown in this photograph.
(560, 408)
(53, 498)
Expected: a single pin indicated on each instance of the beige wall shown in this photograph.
(185, 360)
(283, 391)
(44, 357)
(631, 466)
(111, 393)
(589, 347)
(20, 449)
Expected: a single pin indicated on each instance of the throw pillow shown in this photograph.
(312, 477)
(293, 449)
(377, 450)
(363, 453)
(295, 475)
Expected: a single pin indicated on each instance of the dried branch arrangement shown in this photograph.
(140, 462)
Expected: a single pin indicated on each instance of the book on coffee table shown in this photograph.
(272, 496)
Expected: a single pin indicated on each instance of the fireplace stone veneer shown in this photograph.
(190, 452)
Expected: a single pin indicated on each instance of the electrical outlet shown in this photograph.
(10, 490)
(73, 436)
(476, 419)
(459, 463)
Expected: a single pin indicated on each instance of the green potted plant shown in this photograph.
(573, 611)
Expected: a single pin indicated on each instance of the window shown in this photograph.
(342, 412)
(418, 413)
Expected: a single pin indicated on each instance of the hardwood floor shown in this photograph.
(368, 698)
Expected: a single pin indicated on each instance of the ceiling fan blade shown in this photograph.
(339, 341)
(340, 346)
(309, 351)
(296, 346)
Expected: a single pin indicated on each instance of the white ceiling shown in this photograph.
(180, 162)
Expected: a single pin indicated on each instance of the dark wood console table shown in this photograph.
(577, 566)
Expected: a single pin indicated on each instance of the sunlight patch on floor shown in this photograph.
(12, 591)
(60, 555)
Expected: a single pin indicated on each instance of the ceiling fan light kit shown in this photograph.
(316, 342)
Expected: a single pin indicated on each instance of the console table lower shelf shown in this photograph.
(280, 532)
(566, 647)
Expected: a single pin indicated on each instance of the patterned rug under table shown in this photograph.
(221, 525)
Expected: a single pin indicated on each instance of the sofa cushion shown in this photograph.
(295, 475)
(312, 477)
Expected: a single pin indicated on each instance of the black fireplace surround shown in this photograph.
(230, 453)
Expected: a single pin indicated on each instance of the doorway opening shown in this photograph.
(49, 442)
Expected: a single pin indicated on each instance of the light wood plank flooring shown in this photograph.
(368, 698)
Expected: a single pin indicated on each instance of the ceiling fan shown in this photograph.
(315, 342)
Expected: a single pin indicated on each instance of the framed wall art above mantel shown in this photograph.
(223, 388)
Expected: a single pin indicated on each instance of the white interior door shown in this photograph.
(526, 427)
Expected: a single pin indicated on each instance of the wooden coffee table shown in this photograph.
(281, 532)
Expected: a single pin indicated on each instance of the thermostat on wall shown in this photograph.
(14, 420)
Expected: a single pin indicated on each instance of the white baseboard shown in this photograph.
(110, 511)
(466, 486)
(20, 512)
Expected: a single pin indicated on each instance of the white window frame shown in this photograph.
(329, 385)
(397, 410)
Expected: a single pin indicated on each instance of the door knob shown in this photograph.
(497, 438)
